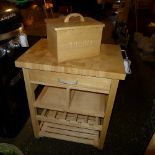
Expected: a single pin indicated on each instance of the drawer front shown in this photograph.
(71, 81)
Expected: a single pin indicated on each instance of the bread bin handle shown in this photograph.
(66, 20)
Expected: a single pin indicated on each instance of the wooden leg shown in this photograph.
(108, 111)
(151, 147)
(31, 99)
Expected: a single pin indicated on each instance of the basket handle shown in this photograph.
(66, 20)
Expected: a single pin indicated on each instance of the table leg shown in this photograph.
(108, 111)
(31, 100)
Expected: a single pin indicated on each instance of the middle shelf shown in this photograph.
(70, 100)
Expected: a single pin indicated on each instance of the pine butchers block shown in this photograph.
(77, 97)
(108, 64)
(74, 37)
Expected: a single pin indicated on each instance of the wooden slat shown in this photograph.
(70, 133)
(61, 115)
(44, 111)
(67, 97)
(66, 137)
(71, 117)
(52, 114)
(71, 128)
(97, 121)
(75, 121)
(70, 123)
(91, 120)
(49, 131)
(82, 119)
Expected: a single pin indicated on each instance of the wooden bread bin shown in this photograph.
(74, 37)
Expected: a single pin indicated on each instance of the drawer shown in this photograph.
(71, 81)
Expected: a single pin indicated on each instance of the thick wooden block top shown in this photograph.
(108, 64)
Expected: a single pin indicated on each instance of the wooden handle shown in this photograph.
(66, 20)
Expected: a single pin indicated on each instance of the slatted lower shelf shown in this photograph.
(69, 133)
(71, 119)
(69, 126)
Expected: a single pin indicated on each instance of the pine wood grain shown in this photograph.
(96, 81)
(108, 64)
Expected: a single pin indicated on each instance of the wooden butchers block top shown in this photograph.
(108, 64)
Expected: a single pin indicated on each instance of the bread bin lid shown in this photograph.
(73, 20)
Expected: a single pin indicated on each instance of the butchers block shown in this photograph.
(74, 37)
(73, 100)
